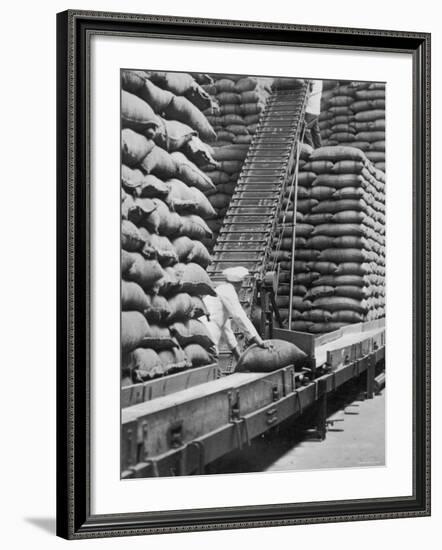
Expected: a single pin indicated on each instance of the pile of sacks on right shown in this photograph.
(339, 267)
(353, 113)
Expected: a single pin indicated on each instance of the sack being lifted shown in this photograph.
(280, 354)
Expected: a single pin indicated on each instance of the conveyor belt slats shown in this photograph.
(250, 222)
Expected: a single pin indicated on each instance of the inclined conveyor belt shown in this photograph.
(250, 224)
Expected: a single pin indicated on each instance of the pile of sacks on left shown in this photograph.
(164, 209)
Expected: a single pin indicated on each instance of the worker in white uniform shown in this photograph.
(312, 112)
(224, 308)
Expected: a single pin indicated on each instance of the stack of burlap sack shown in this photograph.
(239, 101)
(353, 113)
(339, 268)
(164, 208)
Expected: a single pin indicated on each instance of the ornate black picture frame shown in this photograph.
(74, 32)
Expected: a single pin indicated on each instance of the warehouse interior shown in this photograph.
(220, 171)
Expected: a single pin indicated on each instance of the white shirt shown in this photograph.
(222, 309)
(314, 100)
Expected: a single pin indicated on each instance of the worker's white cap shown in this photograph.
(235, 274)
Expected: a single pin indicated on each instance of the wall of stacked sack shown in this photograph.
(340, 242)
(238, 104)
(164, 212)
(353, 113)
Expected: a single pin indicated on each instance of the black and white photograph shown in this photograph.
(252, 273)
(219, 284)
(243, 275)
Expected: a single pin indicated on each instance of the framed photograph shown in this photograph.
(243, 274)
